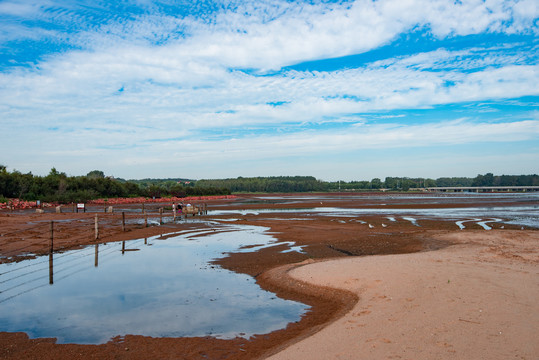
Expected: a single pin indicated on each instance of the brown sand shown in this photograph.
(487, 265)
(475, 300)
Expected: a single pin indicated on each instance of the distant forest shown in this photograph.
(310, 184)
(58, 187)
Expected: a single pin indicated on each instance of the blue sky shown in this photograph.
(340, 90)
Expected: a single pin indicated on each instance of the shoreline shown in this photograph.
(323, 238)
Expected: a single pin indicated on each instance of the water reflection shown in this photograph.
(51, 270)
(167, 289)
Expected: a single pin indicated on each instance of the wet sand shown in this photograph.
(342, 297)
(474, 300)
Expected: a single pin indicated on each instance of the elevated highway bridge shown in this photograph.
(481, 189)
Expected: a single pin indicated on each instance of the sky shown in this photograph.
(339, 90)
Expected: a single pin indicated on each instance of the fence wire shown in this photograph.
(107, 223)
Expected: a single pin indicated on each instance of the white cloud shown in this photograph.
(159, 83)
(269, 35)
(11, 8)
(319, 31)
(137, 86)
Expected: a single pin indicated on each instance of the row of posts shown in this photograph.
(96, 227)
(96, 224)
(199, 209)
(96, 256)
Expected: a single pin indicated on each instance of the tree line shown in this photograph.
(267, 184)
(58, 187)
(311, 184)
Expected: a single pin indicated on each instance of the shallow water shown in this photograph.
(525, 215)
(153, 287)
(441, 197)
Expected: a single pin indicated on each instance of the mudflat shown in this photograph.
(382, 283)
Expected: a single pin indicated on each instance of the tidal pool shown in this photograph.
(527, 215)
(154, 287)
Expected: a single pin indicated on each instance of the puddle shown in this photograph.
(460, 223)
(484, 225)
(517, 215)
(412, 220)
(358, 221)
(168, 288)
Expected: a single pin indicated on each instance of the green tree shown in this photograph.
(376, 183)
(95, 174)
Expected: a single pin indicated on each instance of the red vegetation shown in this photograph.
(17, 204)
(140, 200)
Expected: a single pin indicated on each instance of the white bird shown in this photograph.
(371, 226)
(384, 225)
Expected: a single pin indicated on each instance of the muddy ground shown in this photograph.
(25, 233)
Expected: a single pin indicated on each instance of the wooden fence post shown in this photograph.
(51, 270)
(51, 248)
(161, 216)
(123, 221)
(96, 228)
(145, 219)
(51, 242)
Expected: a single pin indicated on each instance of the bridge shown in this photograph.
(481, 189)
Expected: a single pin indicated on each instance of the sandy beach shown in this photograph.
(378, 286)
(473, 300)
